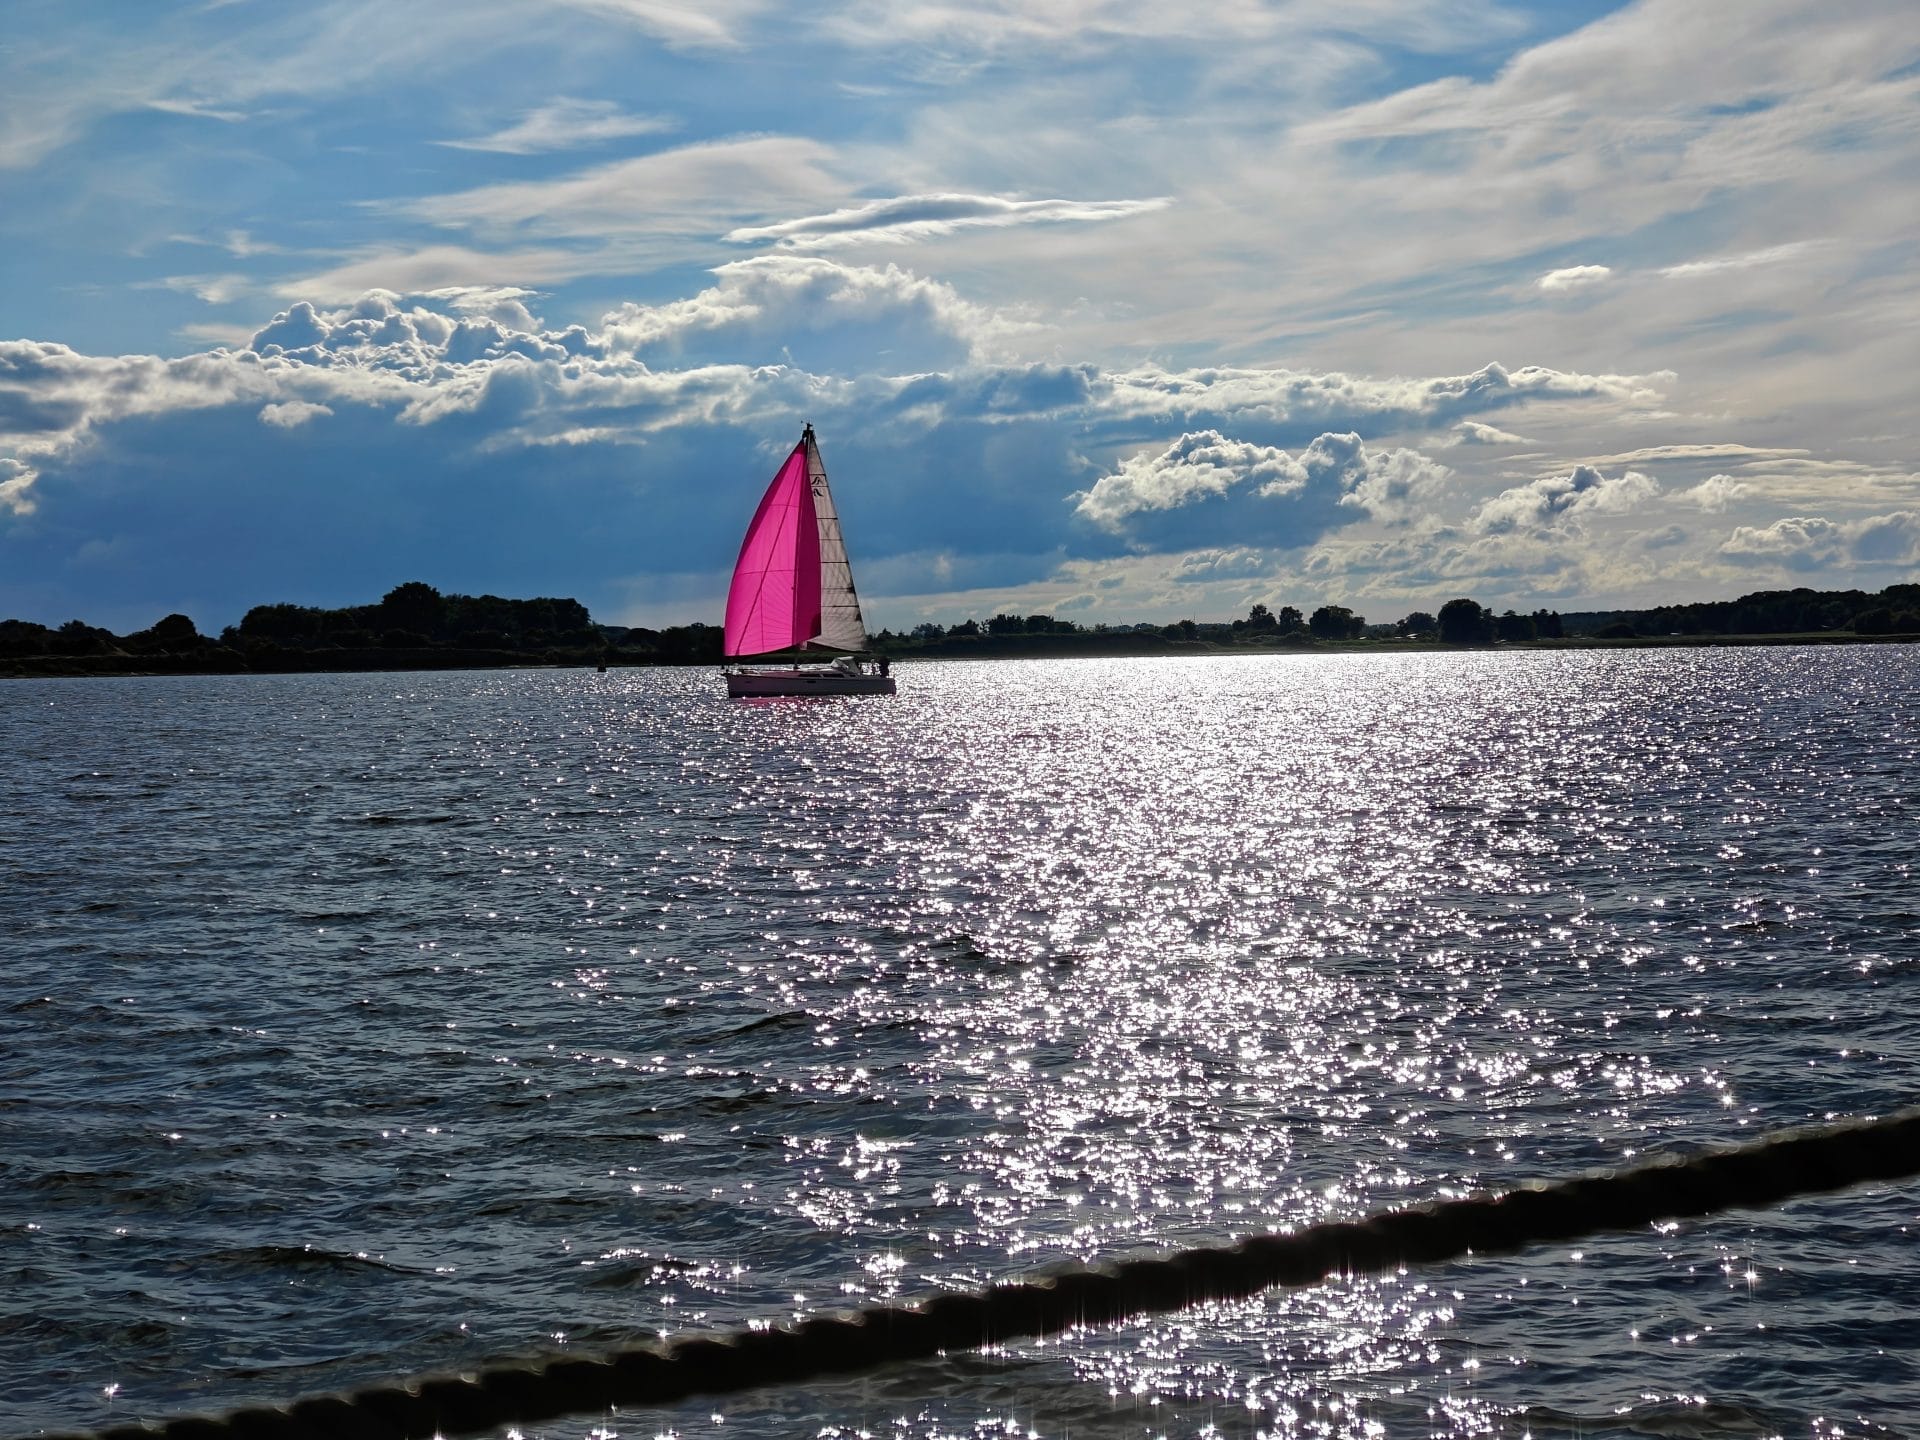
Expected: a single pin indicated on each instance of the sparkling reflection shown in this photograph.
(579, 1007)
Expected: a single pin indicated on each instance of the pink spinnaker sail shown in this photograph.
(774, 602)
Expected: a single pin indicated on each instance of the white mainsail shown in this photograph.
(841, 625)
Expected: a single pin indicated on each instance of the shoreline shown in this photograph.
(1042, 647)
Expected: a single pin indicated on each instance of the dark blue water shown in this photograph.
(352, 1026)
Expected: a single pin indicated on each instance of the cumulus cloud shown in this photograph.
(1558, 500)
(290, 414)
(1805, 542)
(1336, 470)
(776, 300)
(1399, 403)
(565, 125)
(949, 449)
(1715, 493)
(1236, 562)
(919, 217)
(1194, 467)
(1387, 484)
(1475, 432)
(1574, 277)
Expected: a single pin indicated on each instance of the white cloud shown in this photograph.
(686, 190)
(1773, 254)
(779, 299)
(1557, 500)
(210, 289)
(919, 217)
(1715, 493)
(1736, 454)
(682, 24)
(197, 109)
(1806, 542)
(1301, 396)
(1205, 464)
(1574, 277)
(16, 485)
(565, 124)
(437, 267)
(1192, 468)
(1387, 484)
(1475, 432)
(1232, 563)
(995, 28)
(290, 414)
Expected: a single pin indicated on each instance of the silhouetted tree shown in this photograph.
(173, 635)
(1004, 624)
(1290, 619)
(1336, 622)
(1546, 624)
(1261, 618)
(1464, 622)
(1419, 623)
(24, 637)
(413, 606)
(1514, 627)
(76, 637)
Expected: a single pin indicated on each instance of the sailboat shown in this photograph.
(793, 592)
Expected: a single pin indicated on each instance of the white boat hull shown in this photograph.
(823, 680)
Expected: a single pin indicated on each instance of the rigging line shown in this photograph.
(1763, 1172)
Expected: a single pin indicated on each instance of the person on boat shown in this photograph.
(886, 665)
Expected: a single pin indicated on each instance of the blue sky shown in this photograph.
(1101, 307)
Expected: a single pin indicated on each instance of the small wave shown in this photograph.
(778, 1020)
(383, 819)
(1684, 1419)
(304, 1257)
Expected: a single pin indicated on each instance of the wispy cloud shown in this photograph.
(684, 24)
(919, 217)
(689, 190)
(565, 125)
(198, 109)
(1747, 260)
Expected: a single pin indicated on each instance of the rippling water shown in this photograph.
(358, 1025)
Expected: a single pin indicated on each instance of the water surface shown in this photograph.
(352, 1026)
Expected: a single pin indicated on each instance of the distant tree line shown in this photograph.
(415, 626)
(1892, 611)
(1461, 621)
